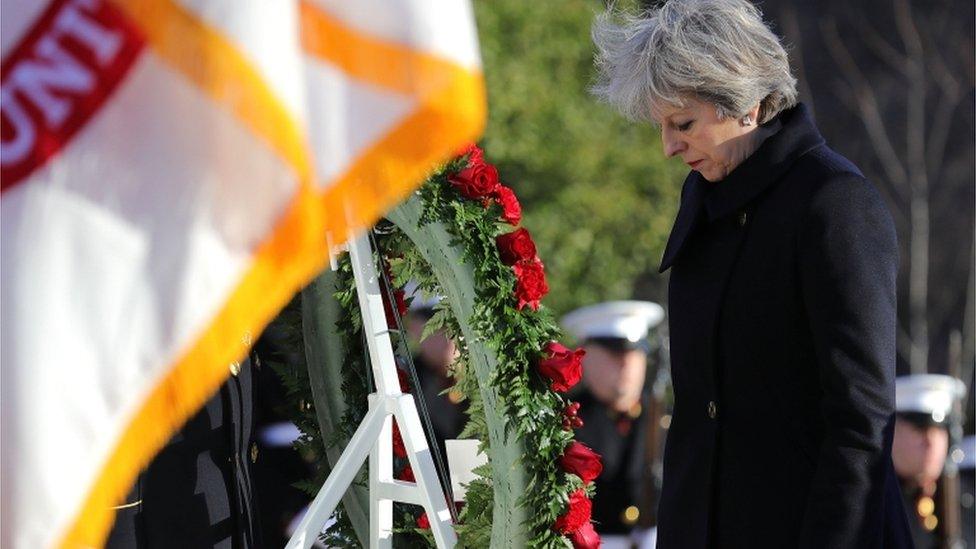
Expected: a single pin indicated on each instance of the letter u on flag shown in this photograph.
(172, 172)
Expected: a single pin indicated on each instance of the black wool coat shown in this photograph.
(782, 322)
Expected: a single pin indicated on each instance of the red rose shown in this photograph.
(577, 514)
(511, 209)
(581, 461)
(478, 180)
(585, 538)
(530, 283)
(515, 246)
(407, 474)
(563, 367)
(423, 521)
(399, 449)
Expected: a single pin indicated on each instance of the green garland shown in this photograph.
(506, 322)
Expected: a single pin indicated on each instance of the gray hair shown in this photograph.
(717, 51)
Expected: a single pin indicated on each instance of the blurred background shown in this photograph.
(891, 83)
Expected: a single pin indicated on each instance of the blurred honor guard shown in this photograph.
(967, 490)
(924, 406)
(613, 407)
(198, 490)
(433, 357)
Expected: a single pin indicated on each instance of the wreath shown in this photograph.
(458, 237)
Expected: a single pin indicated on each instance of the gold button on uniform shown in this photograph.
(254, 452)
(712, 409)
(235, 368)
(925, 506)
(635, 411)
(630, 515)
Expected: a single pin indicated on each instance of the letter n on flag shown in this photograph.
(172, 172)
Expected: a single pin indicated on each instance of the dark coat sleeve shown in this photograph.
(848, 264)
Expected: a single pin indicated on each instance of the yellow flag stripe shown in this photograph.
(451, 111)
(214, 64)
(382, 63)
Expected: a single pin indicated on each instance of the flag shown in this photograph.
(172, 172)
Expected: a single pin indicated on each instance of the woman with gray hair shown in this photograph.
(782, 302)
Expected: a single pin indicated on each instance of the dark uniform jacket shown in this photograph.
(197, 492)
(782, 322)
(620, 442)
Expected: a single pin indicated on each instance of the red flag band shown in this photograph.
(57, 78)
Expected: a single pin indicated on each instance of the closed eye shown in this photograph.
(684, 127)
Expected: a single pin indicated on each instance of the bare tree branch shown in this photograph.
(948, 102)
(867, 104)
(879, 46)
(791, 27)
(918, 246)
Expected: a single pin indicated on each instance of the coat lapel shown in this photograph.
(692, 200)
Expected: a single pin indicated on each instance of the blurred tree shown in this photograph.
(597, 193)
(893, 85)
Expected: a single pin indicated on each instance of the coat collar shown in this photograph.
(797, 136)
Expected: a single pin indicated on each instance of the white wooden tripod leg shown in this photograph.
(422, 463)
(381, 470)
(339, 479)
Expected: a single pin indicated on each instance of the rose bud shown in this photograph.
(515, 246)
(563, 367)
(511, 209)
(581, 461)
(577, 514)
(571, 419)
(473, 152)
(585, 538)
(423, 522)
(530, 283)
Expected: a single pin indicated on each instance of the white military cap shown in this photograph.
(617, 320)
(927, 397)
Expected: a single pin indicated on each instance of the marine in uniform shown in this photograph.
(198, 490)
(967, 490)
(920, 446)
(613, 407)
(432, 357)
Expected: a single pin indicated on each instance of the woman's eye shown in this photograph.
(684, 127)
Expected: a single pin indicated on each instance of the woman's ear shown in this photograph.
(752, 116)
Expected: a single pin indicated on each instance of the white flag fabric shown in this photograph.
(172, 172)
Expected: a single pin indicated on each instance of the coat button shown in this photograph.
(712, 409)
(254, 452)
(630, 515)
(743, 218)
(235, 368)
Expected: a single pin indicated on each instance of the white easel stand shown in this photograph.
(373, 437)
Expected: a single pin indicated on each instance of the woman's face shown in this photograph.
(710, 145)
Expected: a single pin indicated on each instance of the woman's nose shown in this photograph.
(672, 146)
